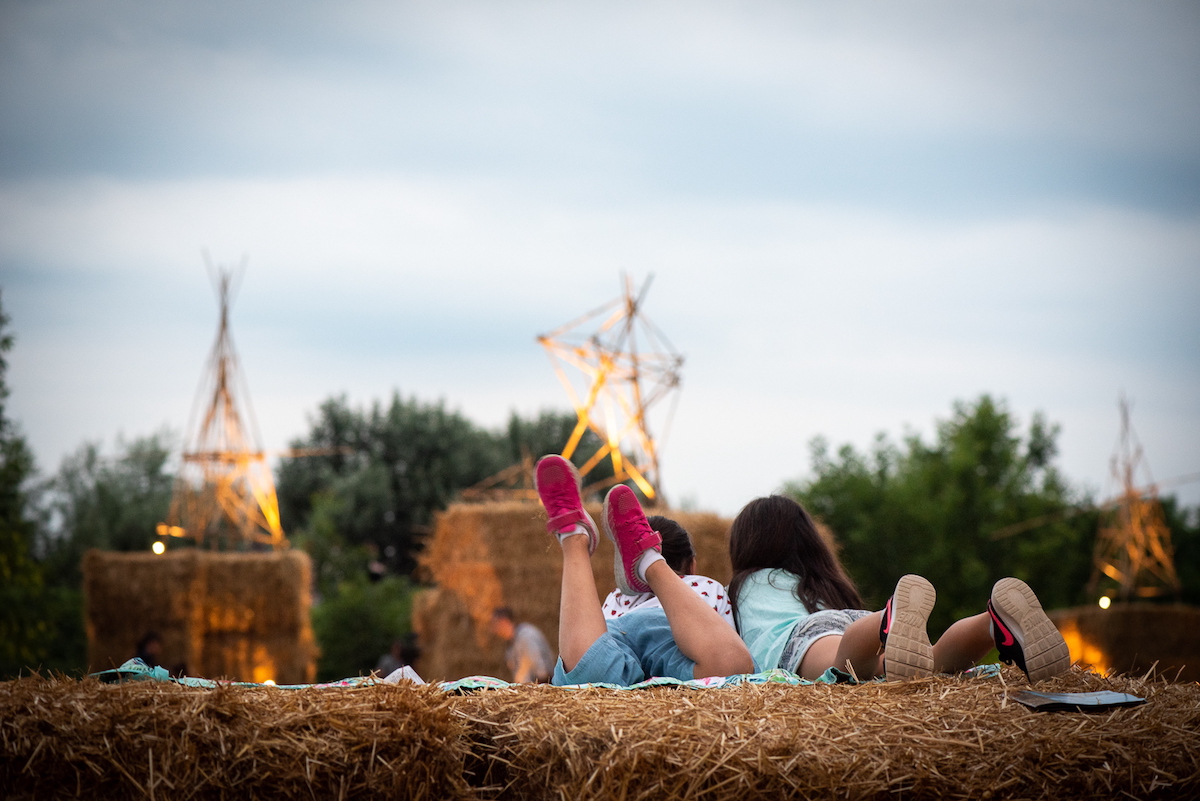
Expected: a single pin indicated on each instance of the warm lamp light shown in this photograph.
(1105, 602)
(159, 547)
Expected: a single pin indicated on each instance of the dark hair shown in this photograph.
(677, 546)
(147, 638)
(502, 612)
(776, 532)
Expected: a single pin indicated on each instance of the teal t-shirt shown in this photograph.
(768, 610)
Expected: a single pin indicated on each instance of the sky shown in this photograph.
(855, 215)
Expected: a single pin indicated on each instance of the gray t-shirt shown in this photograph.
(528, 655)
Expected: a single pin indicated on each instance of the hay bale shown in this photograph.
(446, 633)
(1133, 638)
(935, 738)
(483, 556)
(223, 615)
(147, 740)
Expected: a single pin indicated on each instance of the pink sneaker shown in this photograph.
(625, 524)
(557, 483)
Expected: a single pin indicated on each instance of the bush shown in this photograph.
(358, 624)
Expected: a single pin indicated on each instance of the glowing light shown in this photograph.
(269, 682)
(1105, 602)
(159, 547)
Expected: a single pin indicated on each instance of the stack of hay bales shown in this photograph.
(241, 616)
(485, 556)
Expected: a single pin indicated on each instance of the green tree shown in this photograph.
(95, 502)
(549, 433)
(386, 471)
(23, 631)
(935, 509)
(112, 503)
(1184, 524)
(391, 466)
(359, 623)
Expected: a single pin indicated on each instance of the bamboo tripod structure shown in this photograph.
(1133, 545)
(620, 383)
(224, 493)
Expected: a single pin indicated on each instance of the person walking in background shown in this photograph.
(528, 655)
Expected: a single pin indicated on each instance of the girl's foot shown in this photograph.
(1023, 633)
(558, 484)
(625, 524)
(907, 653)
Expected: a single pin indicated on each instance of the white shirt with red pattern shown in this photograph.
(712, 591)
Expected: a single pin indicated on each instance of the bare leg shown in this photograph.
(859, 645)
(580, 617)
(964, 643)
(823, 654)
(700, 633)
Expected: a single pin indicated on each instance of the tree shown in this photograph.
(384, 472)
(109, 503)
(392, 467)
(22, 630)
(95, 501)
(933, 509)
(359, 624)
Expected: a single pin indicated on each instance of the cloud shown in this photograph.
(932, 105)
(796, 319)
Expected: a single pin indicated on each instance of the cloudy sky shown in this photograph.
(855, 214)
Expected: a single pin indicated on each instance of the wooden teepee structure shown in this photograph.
(624, 365)
(224, 494)
(1133, 556)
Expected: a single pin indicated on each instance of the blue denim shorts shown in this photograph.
(637, 646)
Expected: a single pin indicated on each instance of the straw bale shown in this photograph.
(149, 740)
(1133, 638)
(939, 737)
(933, 738)
(498, 554)
(232, 615)
(447, 637)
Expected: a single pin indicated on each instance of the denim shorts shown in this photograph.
(820, 624)
(637, 646)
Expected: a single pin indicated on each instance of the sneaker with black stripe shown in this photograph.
(1024, 635)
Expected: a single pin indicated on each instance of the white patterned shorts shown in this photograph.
(823, 623)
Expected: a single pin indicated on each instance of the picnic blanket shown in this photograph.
(137, 670)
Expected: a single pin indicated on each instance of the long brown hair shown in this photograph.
(776, 532)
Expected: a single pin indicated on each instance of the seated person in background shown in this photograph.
(681, 637)
(403, 652)
(680, 555)
(149, 648)
(528, 655)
